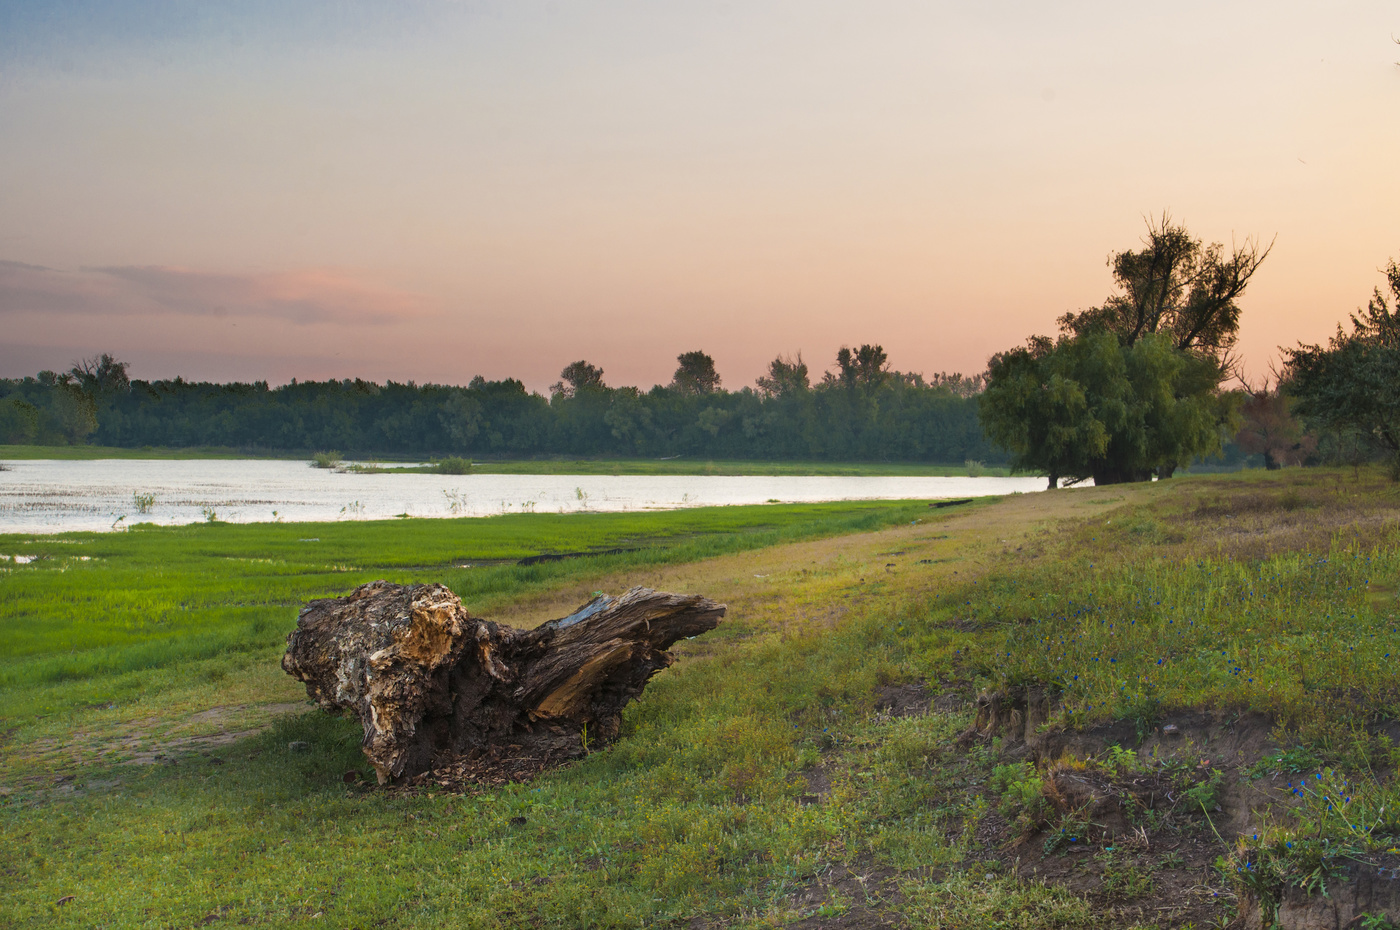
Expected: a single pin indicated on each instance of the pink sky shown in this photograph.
(501, 188)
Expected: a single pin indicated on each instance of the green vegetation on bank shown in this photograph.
(75, 453)
(532, 466)
(680, 466)
(819, 754)
(729, 468)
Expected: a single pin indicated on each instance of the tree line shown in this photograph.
(861, 411)
(1131, 390)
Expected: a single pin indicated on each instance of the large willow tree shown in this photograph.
(1130, 389)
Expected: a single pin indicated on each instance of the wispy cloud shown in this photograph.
(304, 296)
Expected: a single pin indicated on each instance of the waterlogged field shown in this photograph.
(1150, 706)
(39, 496)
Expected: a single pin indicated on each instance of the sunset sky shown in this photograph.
(430, 191)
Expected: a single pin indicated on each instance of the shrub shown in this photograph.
(453, 465)
(325, 459)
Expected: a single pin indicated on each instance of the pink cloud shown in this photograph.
(303, 296)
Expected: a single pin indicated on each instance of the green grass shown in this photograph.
(1152, 609)
(96, 613)
(694, 811)
(705, 807)
(1282, 636)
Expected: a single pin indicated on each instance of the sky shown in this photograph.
(431, 191)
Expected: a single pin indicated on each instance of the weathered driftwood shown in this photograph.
(438, 690)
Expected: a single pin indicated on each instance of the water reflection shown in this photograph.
(55, 496)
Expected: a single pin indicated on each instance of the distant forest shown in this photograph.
(863, 411)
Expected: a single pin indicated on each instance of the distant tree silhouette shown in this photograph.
(867, 366)
(578, 376)
(696, 374)
(101, 374)
(786, 376)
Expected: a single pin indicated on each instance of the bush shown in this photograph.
(329, 459)
(454, 465)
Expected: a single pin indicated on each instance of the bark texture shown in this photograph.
(442, 693)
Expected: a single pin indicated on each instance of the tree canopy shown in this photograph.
(786, 377)
(1177, 286)
(1352, 385)
(696, 374)
(578, 376)
(1130, 389)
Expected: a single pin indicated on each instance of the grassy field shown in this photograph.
(407, 465)
(895, 725)
(90, 617)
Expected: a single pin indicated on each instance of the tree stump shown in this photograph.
(445, 696)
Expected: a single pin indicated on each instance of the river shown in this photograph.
(48, 496)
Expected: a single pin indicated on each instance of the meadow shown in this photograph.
(887, 730)
(87, 617)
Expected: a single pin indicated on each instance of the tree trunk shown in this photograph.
(439, 691)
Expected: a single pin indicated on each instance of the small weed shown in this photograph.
(1073, 829)
(1022, 793)
(144, 503)
(456, 501)
(1203, 794)
(1125, 761)
(1286, 762)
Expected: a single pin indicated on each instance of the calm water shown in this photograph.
(42, 496)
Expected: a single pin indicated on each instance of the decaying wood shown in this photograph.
(439, 690)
